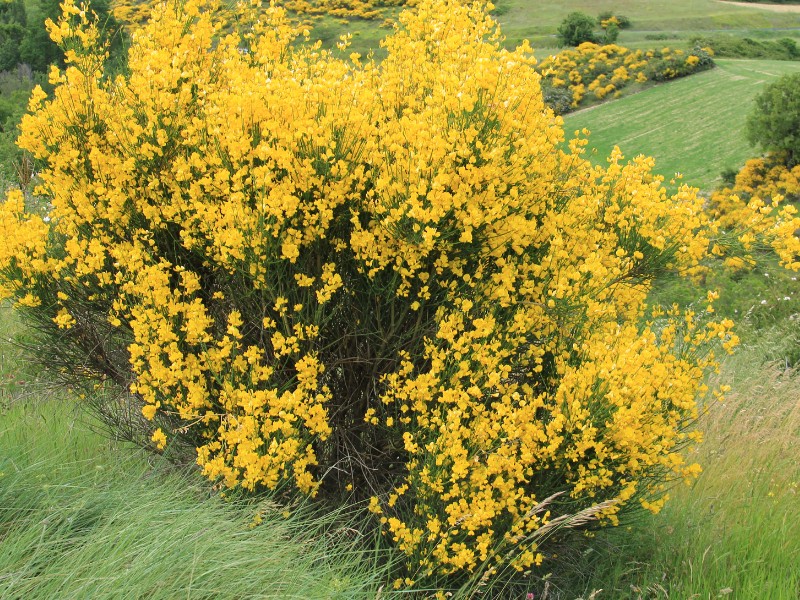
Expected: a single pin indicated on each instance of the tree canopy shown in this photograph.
(774, 124)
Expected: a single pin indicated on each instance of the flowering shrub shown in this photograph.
(762, 196)
(363, 9)
(386, 278)
(134, 13)
(596, 72)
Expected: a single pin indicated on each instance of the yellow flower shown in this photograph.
(159, 439)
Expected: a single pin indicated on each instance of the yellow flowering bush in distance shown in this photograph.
(596, 72)
(759, 180)
(134, 13)
(387, 278)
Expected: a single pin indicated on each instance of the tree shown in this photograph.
(12, 31)
(577, 28)
(774, 124)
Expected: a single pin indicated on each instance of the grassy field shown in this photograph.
(693, 126)
(538, 21)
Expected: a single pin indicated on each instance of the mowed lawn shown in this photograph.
(694, 126)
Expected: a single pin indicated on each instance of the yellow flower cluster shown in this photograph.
(131, 13)
(134, 13)
(316, 264)
(595, 72)
(362, 9)
(755, 205)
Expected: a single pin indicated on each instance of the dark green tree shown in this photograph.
(13, 20)
(577, 28)
(774, 124)
(39, 51)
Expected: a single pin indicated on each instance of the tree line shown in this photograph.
(24, 39)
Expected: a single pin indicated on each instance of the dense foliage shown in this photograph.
(389, 280)
(13, 21)
(774, 124)
(24, 38)
(607, 17)
(761, 182)
(15, 88)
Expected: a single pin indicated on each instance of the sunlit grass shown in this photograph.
(736, 531)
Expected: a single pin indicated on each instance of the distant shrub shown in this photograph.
(595, 72)
(576, 29)
(730, 46)
(621, 21)
(762, 184)
(790, 45)
(559, 99)
(610, 33)
(669, 64)
(728, 176)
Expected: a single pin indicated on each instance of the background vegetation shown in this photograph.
(85, 516)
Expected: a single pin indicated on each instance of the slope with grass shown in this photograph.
(693, 126)
(538, 21)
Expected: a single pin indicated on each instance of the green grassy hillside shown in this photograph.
(655, 24)
(671, 23)
(693, 126)
(536, 21)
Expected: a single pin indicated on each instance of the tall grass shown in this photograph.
(83, 518)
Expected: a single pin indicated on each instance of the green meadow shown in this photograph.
(83, 516)
(678, 20)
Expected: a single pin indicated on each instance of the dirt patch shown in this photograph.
(784, 8)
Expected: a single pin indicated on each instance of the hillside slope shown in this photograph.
(693, 126)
